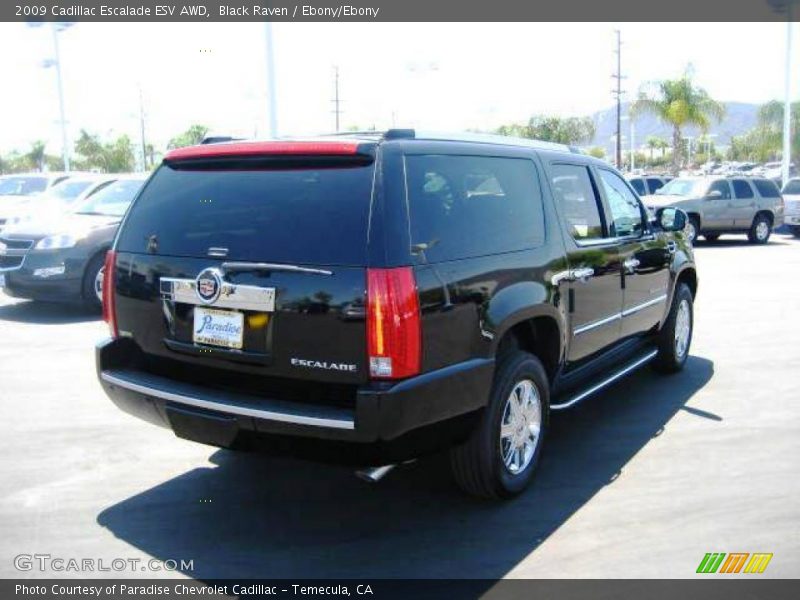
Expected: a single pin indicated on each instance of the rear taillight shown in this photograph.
(393, 323)
(109, 304)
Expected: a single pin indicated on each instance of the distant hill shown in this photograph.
(739, 118)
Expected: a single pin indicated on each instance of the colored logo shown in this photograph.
(735, 562)
(208, 285)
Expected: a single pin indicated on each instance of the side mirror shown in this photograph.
(672, 219)
(714, 195)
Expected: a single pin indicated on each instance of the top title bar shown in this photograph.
(111, 11)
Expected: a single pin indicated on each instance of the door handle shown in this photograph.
(631, 264)
(579, 274)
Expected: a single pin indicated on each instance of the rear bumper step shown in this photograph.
(187, 394)
(571, 401)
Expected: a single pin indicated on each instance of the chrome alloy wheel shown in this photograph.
(762, 231)
(520, 426)
(683, 328)
(690, 231)
(98, 284)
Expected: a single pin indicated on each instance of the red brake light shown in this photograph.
(109, 304)
(393, 323)
(310, 148)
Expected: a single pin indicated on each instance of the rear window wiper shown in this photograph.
(239, 267)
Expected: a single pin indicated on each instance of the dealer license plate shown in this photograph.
(218, 327)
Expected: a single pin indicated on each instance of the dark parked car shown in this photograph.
(61, 259)
(372, 299)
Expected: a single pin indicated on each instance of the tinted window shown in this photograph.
(626, 216)
(462, 206)
(792, 187)
(70, 189)
(112, 200)
(654, 184)
(722, 187)
(638, 185)
(742, 189)
(766, 188)
(22, 186)
(303, 215)
(574, 193)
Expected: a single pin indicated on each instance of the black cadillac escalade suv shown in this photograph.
(374, 298)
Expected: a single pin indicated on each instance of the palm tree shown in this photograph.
(679, 103)
(36, 155)
(654, 143)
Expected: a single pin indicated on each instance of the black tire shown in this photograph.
(795, 231)
(692, 224)
(90, 299)
(477, 464)
(711, 237)
(669, 359)
(761, 224)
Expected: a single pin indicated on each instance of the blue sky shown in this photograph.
(434, 76)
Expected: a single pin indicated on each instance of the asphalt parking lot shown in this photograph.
(640, 481)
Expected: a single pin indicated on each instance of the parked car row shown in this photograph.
(52, 247)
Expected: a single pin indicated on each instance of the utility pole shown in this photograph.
(336, 110)
(618, 94)
(57, 63)
(786, 159)
(141, 127)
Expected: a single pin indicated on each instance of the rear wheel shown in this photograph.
(692, 229)
(795, 231)
(501, 455)
(711, 237)
(760, 230)
(675, 336)
(93, 283)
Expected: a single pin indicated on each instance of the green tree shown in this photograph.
(35, 155)
(191, 137)
(110, 157)
(597, 152)
(562, 130)
(679, 103)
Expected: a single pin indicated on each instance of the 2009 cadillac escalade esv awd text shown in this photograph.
(373, 298)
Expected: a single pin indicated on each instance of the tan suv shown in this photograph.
(718, 205)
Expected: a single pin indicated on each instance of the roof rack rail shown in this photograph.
(479, 138)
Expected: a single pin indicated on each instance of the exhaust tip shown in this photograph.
(374, 474)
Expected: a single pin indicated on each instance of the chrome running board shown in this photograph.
(606, 382)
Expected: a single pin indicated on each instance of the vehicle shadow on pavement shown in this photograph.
(737, 242)
(261, 517)
(48, 313)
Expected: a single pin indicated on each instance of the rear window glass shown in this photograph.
(766, 188)
(22, 186)
(655, 184)
(464, 206)
(293, 215)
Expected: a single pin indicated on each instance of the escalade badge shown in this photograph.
(208, 285)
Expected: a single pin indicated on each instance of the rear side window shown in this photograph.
(742, 189)
(292, 215)
(722, 187)
(766, 188)
(574, 193)
(793, 187)
(464, 206)
(654, 184)
(638, 185)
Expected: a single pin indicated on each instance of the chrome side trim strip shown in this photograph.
(625, 313)
(606, 382)
(241, 297)
(596, 324)
(643, 305)
(227, 408)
